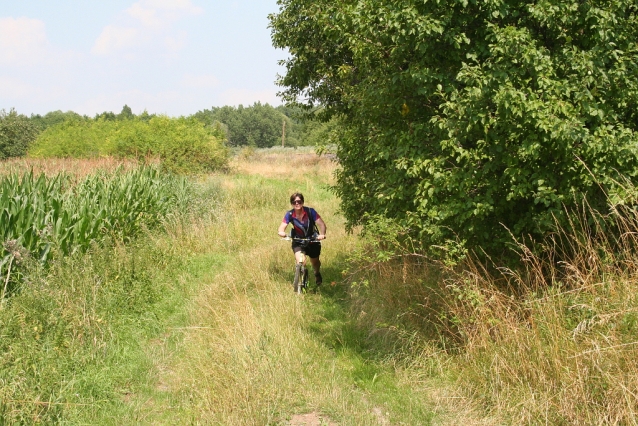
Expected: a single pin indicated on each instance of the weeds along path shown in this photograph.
(253, 352)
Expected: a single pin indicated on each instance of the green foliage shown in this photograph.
(308, 128)
(467, 120)
(54, 117)
(73, 338)
(16, 134)
(76, 138)
(125, 114)
(184, 145)
(318, 133)
(257, 125)
(40, 216)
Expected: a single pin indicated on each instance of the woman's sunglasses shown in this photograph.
(297, 202)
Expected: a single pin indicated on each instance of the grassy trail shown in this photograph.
(250, 351)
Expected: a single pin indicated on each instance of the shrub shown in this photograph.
(75, 138)
(54, 117)
(184, 145)
(16, 134)
(549, 342)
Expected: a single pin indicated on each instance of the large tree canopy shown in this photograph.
(470, 119)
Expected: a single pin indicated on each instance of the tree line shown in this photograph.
(258, 125)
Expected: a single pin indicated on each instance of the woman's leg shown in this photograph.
(300, 256)
(316, 264)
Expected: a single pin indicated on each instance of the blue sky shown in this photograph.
(172, 57)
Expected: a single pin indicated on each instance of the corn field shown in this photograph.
(42, 217)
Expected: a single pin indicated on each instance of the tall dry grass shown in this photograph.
(553, 341)
(247, 356)
(79, 168)
(300, 164)
(251, 354)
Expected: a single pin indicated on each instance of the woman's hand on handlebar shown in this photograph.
(321, 237)
(282, 234)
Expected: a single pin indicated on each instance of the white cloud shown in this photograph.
(202, 81)
(23, 41)
(148, 17)
(158, 13)
(248, 97)
(186, 5)
(146, 23)
(115, 38)
(175, 43)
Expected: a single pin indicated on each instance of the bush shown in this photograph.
(549, 342)
(16, 134)
(54, 117)
(75, 138)
(183, 145)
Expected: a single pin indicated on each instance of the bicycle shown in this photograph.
(300, 282)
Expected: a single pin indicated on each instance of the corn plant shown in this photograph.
(40, 213)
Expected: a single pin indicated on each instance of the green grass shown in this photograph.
(76, 336)
(256, 353)
(199, 325)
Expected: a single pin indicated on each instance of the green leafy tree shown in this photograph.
(54, 117)
(466, 120)
(17, 132)
(126, 113)
(106, 115)
(308, 129)
(258, 125)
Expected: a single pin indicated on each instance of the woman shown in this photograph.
(304, 222)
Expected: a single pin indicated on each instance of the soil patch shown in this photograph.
(310, 419)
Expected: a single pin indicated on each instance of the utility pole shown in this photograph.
(283, 134)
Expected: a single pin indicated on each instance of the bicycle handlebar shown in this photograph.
(301, 240)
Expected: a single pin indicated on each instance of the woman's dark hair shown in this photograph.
(296, 195)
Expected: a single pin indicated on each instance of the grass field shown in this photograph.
(198, 324)
(252, 351)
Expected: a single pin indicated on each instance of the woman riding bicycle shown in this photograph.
(303, 221)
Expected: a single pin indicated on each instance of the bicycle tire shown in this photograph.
(296, 283)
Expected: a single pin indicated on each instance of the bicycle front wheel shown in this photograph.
(297, 282)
